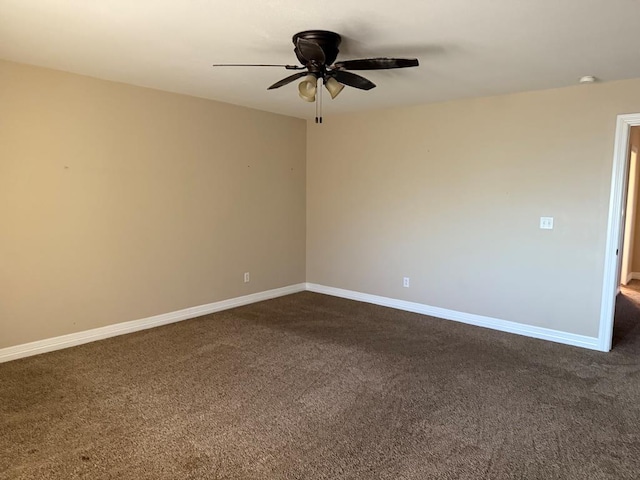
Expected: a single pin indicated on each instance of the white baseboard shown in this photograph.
(471, 319)
(630, 276)
(73, 339)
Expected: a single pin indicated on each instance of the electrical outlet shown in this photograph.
(247, 277)
(546, 223)
(405, 282)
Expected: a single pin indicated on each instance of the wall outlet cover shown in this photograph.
(546, 223)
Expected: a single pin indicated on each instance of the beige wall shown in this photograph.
(635, 251)
(119, 202)
(451, 195)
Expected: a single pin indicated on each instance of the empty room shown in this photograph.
(319, 240)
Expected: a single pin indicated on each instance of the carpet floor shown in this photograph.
(315, 387)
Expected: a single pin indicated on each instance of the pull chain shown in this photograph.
(320, 96)
(319, 101)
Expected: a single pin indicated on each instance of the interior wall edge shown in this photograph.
(557, 336)
(79, 338)
(73, 339)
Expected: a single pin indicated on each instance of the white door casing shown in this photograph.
(615, 227)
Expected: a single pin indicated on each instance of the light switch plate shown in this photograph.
(546, 223)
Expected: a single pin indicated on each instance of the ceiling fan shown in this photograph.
(317, 51)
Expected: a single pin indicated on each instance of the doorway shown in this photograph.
(627, 307)
(630, 260)
(618, 217)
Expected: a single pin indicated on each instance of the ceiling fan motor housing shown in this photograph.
(328, 42)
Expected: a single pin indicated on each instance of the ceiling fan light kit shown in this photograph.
(307, 88)
(333, 86)
(317, 51)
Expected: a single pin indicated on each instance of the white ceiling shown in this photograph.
(466, 48)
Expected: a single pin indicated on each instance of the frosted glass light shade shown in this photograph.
(307, 88)
(334, 87)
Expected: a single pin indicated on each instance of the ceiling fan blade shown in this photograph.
(353, 80)
(310, 51)
(377, 63)
(287, 80)
(288, 67)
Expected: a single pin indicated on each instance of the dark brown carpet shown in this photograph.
(314, 387)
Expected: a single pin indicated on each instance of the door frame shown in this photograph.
(614, 227)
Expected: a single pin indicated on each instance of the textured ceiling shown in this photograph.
(466, 48)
